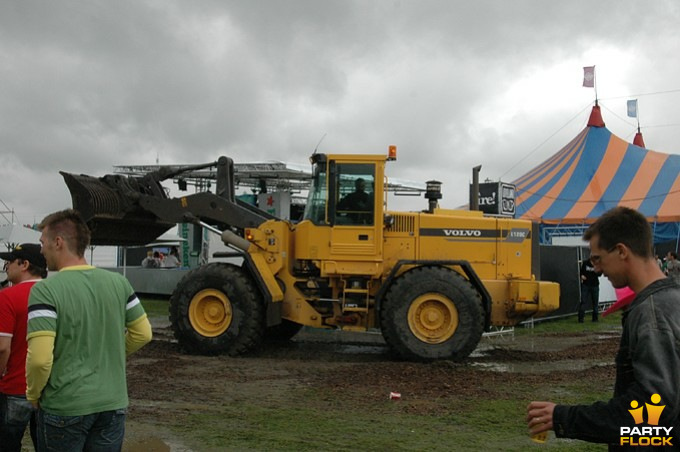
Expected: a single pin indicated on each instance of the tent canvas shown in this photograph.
(595, 172)
(13, 234)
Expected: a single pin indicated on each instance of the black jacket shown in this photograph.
(588, 270)
(647, 363)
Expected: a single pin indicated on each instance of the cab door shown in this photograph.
(356, 210)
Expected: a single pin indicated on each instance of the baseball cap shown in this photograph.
(27, 251)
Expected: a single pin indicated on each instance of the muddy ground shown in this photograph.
(165, 385)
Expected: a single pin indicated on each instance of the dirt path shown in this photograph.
(166, 385)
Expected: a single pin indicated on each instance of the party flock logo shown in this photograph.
(650, 435)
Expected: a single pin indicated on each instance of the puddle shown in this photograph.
(539, 368)
(361, 349)
(531, 343)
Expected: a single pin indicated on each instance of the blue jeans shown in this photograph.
(15, 414)
(590, 295)
(101, 432)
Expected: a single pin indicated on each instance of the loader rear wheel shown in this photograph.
(217, 309)
(433, 318)
(432, 313)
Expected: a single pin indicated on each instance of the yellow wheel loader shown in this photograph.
(431, 281)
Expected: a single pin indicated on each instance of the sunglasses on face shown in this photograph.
(596, 259)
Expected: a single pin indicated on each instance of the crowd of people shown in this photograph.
(156, 259)
(670, 265)
(64, 342)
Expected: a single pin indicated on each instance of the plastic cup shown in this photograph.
(540, 438)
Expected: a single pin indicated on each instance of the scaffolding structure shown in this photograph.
(260, 177)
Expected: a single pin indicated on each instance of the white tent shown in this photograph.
(13, 234)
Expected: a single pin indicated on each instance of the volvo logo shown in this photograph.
(462, 232)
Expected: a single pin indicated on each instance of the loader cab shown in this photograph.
(344, 208)
(346, 190)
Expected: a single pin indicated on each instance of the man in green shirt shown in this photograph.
(82, 322)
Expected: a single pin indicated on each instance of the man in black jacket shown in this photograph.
(590, 290)
(645, 408)
(358, 205)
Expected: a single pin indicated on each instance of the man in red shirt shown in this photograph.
(24, 265)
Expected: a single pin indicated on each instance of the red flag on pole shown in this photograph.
(589, 76)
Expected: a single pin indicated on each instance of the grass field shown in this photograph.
(155, 306)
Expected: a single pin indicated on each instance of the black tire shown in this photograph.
(282, 332)
(217, 308)
(432, 313)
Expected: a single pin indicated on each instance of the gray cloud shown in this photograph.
(88, 85)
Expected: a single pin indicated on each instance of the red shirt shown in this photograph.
(13, 322)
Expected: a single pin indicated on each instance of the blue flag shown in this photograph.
(632, 108)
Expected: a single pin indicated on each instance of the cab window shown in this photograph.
(315, 210)
(355, 202)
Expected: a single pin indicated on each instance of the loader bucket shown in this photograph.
(109, 205)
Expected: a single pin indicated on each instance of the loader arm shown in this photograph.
(206, 207)
(135, 210)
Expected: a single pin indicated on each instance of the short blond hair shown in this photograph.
(70, 226)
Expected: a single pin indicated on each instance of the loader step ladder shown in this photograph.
(356, 299)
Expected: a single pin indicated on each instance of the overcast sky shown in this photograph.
(85, 85)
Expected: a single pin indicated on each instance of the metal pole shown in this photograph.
(474, 204)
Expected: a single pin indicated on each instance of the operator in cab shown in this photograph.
(357, 202)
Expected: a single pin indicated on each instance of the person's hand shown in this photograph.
(540, 417)
(35, 403)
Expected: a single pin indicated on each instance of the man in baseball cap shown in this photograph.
(26, 252)
(25, 266)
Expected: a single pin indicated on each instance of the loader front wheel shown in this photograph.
(217, 309)
(432, 313)
(210, 312)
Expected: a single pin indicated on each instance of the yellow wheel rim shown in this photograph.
(210, 312)
(433, 318)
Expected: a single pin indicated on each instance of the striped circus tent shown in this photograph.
(593, 173)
